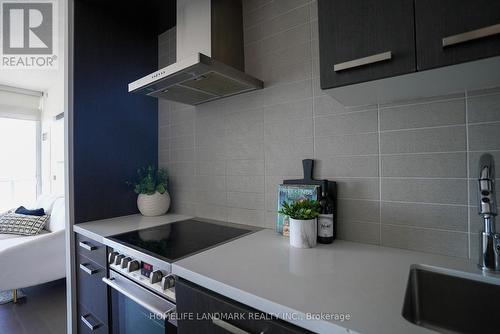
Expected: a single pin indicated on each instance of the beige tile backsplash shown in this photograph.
(406, 172)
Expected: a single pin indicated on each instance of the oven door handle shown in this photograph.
(114, 284)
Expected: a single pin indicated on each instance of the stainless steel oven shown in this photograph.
(142, 293)
(135, 309)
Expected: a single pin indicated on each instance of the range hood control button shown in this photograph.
(155, 276)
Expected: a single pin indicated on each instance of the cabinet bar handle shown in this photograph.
(228, 327)
(471, 35)
(87, 246)
(88, 270)
(363, 61)
(87, 323)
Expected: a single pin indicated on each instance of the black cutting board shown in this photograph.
(308, 167)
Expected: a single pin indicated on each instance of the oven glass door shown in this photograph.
(137, 310)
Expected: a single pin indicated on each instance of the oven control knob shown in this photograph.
(168, 282)
(125, 262)
(133, 266)
(155, 276)
(111, 257)
(118, 259)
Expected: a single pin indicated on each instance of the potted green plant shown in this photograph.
(151, 186)
(303, 225)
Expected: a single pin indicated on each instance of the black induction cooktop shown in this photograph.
(176, 240)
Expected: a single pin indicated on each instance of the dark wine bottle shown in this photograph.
(325, 219)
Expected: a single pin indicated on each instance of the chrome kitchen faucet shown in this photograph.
(489, 243)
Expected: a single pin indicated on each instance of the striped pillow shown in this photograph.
(14, 223)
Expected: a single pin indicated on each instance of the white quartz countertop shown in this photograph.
(99, 229)
(368, 282)
(261, 270)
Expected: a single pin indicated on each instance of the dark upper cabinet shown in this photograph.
(363, 40)
(455, 31)
(368, 40)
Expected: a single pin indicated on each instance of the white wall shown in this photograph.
(52, 150)
(53, 130)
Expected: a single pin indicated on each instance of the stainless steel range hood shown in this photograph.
(210, 56)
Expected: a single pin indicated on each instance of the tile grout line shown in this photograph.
(379, 177)
(312, 84)
(169, 132)
(467, 157)
(195, 171)
(225, 116)
(485, 123)
(308, 3)
(427, 228)
(458, 125)
(281, 32)
(439, 178)
(423, 101)
(416, 203)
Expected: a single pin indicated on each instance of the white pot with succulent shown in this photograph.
(151, 186)
(303, 225)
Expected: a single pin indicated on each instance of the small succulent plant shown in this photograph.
(150, 180)
(303, 209)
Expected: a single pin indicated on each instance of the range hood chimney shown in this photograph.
(210, 56)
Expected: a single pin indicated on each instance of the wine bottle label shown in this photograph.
(325, 225)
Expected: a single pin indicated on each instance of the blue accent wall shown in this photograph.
(114, 132)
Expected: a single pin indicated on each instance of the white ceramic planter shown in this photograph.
(153, 205)
(303, 233)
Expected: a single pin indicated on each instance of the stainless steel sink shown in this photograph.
(449, 303)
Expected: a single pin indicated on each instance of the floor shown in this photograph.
(43, 311)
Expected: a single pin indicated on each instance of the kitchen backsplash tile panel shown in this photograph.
(352, 144)
(484, 136)
(423, 115)
(360, 232)
(440, 139)
(425, 240)
(344, 124)
(358, 188)
(438, 216)
(416, 190)
(484, 109)
(406, 171)
(433, 165)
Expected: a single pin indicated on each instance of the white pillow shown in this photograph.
(46, 202)
(57, 219)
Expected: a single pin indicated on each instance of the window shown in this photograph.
(19, 168)
(19, 147)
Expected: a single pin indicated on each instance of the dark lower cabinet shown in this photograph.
(91, 249)
(455, 31)
(88, 323)
(92, 292)
(363, 40)
(201, 311)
